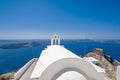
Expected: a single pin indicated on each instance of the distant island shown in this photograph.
(101, 41)
(38, 43)
(111, 41)
(20, 45)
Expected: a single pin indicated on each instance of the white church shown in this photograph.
(58, 63)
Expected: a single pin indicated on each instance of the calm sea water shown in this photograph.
(14, 59)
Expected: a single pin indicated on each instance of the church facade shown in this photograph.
(58, 63)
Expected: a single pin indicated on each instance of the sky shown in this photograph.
(70, 19)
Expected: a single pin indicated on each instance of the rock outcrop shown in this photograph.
(105, 61)
(7, 76)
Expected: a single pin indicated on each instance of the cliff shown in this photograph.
(7, 76)
(105, 61)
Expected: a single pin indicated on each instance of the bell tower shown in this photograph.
(55, 40)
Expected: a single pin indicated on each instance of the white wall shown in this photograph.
(19, 73)
(55, 59)
(118, 73)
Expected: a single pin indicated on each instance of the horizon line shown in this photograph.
(62, 39)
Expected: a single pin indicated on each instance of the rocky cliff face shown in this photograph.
(7, 76)
(105, 62)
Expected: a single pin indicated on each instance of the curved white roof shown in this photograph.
(50, 55)
(56, 60)
(58, 63)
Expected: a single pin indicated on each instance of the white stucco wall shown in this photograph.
(118, 73)
(20, 72)
(57, 60)
(50, 55)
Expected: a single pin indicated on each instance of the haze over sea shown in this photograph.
(14, 59)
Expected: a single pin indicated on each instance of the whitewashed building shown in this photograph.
(58, 63)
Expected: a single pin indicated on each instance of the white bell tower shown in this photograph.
(55, 40)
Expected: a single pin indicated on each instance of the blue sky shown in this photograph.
(71, 19)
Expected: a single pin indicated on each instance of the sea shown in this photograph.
(12, 60)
